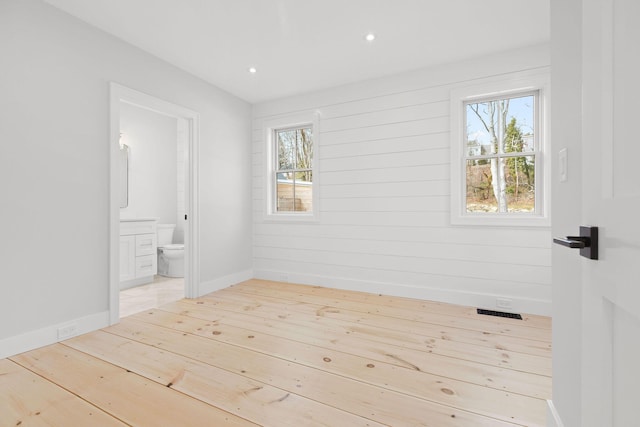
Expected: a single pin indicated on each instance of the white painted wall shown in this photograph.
(384, 197)
(153, 161)
(54, 178)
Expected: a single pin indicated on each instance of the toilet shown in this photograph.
(170, 255)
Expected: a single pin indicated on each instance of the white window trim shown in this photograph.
(284, 122)
(504, 88)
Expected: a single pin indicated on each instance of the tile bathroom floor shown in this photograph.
(161, 291)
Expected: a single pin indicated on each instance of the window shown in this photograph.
(293, 171)
(291, 165)
(500, 154)
(497, 156)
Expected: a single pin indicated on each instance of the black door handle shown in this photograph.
(587, 242)
(573, 241)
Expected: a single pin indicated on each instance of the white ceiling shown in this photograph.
(304, 45)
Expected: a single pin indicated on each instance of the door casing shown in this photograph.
(118, 95)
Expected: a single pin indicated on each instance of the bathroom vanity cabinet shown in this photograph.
(138, 252)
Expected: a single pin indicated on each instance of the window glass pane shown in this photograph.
(480, 194)
(520, 184)
(286, 143)
(519, 129)
(515, 192)
(304, 197)
(296, 196)
(481, 122)
(304, 191)
(285, 195)
(304, 149)
(500, 126)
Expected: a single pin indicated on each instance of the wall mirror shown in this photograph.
(124, 176)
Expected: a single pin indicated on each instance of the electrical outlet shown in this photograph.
(504, 303)
(68, 331)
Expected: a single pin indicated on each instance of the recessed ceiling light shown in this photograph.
(370, 37)
(252, 70)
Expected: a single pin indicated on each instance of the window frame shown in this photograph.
(270, 128)
(494, 90)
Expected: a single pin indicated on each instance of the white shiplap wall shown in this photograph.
(384, 197)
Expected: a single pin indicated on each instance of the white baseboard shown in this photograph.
(224, 282)
(49, 335)
(553, 418)
(128, 284)
(486, 301)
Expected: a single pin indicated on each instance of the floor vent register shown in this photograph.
(499, 314)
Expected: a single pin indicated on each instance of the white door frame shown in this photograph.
(120, 94)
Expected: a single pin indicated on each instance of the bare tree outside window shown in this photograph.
(501, 154)
(293, 172)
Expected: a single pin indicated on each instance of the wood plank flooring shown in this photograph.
(280, 354)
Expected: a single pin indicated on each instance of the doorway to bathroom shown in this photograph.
(153, 205)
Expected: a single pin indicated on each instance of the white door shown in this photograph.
(611, 200)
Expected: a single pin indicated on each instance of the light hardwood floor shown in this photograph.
(279, 354)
